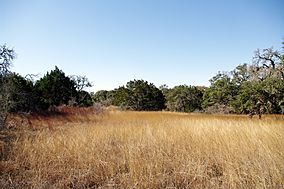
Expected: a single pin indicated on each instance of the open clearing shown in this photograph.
(147, 150)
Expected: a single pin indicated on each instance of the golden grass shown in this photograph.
(151, 150)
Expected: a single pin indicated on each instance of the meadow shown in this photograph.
(124, 149)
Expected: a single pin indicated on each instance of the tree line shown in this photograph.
(256, 88)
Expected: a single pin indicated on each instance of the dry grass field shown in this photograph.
(147, 150)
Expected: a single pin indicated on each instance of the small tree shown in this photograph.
(222, 91)
(144, 96)
(102, 97)
(21, 93)
(138, 95)
(55, 89)
(119, 97)
(184, 98)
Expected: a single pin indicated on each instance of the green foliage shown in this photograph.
(103, 97)
(55, 89)
(248, 96)
(240, 74)
(249, 89)
(84, 99)
(184, 98)
(118, 97)
(254, 89)
(21, 93)
(100, 96)
(141, 96)
(222, 91)
(260, 97)
(138, 95)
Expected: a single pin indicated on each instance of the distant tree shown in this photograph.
(119, 97)
(102, 97)
(137, 95)
(81, 82)
(222, 91)
(21, 93)
(184, 98)
(82, 98)
(55, 89)
(144, 96)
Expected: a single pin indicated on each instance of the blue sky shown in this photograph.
(162, 41)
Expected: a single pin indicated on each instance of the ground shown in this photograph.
(124, 149)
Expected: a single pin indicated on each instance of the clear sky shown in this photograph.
(162, 41)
